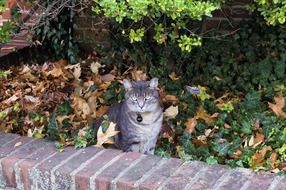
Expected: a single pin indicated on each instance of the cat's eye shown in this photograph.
(147, 97)
(133, 98)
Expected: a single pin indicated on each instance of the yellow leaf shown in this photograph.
(104, 138)
(80, 106)
(278, 106)
(174, 76)
(95, 66)
(171, 112)
(190, 125)
(76, 70)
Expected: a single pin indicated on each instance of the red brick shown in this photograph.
(41, 175)
(103, 181)
(165, 171)
(128, 180)
(63, 178)
(10, 147)
(82, 177)
(233, 183)
(209, 178)
(186, 173)
(261, 181)
(9, 161)
(32, 160)
(5, 138)
(282, 184)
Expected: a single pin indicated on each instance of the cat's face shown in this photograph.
(141, 96)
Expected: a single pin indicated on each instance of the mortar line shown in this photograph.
(149, 173)
(169, 178)
(275, 182)
(222, 179)
(10, 141)
(114, 181)
(53, 170)
(195, 178)
(83, 165)
(93, 177)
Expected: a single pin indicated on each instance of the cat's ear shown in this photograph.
(127, 84)
(153, 83)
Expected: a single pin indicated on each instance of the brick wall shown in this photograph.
(34, 164)
(93, 31)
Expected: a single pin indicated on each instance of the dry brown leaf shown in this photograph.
(174, 76)
(202, 114)
(258, 157)
(273, 159)
(236, 154)
(190, 125)
(57, 71)
(171, 98)
(199, 141)
(258, 139)
(278, 106)
(80, 106)
(171, 112)
(138, 75)
(18, 144)
(104, 138)
(76, 70)
(251, 141)
(95, 66)
(11, 99)
(227, 126)
(101, 111)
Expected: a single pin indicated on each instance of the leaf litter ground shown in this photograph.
(61, 102)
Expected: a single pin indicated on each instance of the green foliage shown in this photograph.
(273, 11)
(6, 32)
(169, 19)
(56, 35)
(2, 5)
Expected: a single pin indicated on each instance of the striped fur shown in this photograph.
(141, 98)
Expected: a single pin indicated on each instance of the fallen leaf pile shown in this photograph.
(62, 102)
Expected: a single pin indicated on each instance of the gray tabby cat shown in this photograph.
(138, 117)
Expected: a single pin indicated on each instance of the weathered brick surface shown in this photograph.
(6, 138)
(103, 180)
(161, 174)
(232, 182)
(40, 175)
(9, 161)
(26, 164)
(128, 180)
(63, 179)
(261, 181)
(36, 165)
(82, 177)
(182, 176)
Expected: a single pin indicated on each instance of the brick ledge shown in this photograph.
(35, 164)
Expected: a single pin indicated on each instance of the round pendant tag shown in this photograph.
(139, 118)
